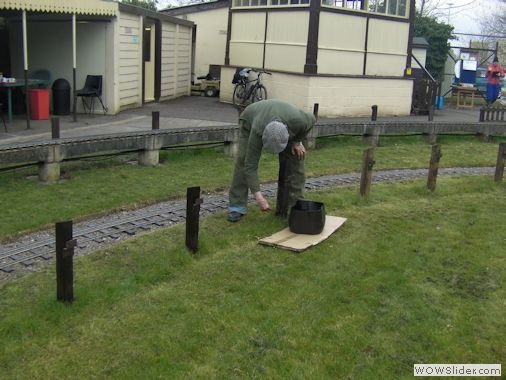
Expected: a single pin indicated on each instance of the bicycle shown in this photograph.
(249, 90)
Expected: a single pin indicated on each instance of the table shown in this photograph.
(465, 96)
(19, 83)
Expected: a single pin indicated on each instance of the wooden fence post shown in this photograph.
(311, 137)
(499, 166)
(367, 164)
(193, 202)
(374, 113)
(155, 120)
(55, 127)
(434, 166)
(64, 262)
(316, 106)
(283, 188)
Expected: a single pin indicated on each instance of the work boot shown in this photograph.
(234, 216)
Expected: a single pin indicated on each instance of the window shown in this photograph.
(349, 4)
(390, 7)
(377, 6)
(268, 3)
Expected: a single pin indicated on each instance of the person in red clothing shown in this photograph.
(494, 74)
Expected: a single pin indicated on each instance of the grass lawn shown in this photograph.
(99, 186)
(411, 277)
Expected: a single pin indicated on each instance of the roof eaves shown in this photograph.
(194, 8)
(155, 15)
(89, 7)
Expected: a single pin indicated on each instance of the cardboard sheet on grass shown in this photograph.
(287, 239)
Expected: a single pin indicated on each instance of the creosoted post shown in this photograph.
(499, 167)
(193, 202)
(434, 166)
(316, 106)
(366, 178)
(374, 113)
(55, 127)
(64, 262)
(155, 120)
(311, 137)
(283, 188)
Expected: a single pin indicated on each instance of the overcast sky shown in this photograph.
(162, 4)
(465, 15)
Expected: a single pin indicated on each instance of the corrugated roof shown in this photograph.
(85, 7)
(420, 41)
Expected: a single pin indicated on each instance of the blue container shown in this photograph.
(440, 101)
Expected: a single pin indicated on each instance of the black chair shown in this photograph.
(92, 89)
(42, 76)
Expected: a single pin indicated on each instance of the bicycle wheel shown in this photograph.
(260, 93)
(239, 96)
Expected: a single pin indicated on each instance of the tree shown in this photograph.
(437, 35)
(495, 22)
(432, 8)
(146, 4)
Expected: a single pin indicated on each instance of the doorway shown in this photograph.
(148, 50)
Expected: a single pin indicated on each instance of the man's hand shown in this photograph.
(298, 150)
(261, 201)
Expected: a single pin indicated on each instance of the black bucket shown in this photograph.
(307, 217)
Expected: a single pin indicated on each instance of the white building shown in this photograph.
(343, 55)
(143, 56)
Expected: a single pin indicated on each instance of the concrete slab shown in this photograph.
(184, 112)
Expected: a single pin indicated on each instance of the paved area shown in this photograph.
(184, 112)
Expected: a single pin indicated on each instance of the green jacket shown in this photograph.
(253, 121)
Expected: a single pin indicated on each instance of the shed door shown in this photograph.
(149, 62)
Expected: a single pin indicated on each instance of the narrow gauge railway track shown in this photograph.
(26, 254)
(91, 235)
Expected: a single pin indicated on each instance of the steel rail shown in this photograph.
(172, 212)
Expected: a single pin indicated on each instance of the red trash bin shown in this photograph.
(39, 104)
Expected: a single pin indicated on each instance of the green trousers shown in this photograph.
(238, 193)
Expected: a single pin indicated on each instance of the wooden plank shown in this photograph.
(287, 239)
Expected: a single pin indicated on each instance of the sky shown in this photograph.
(465, 15)
(162, 4)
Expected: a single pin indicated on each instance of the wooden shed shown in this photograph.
(344, 55)
(143, 56)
